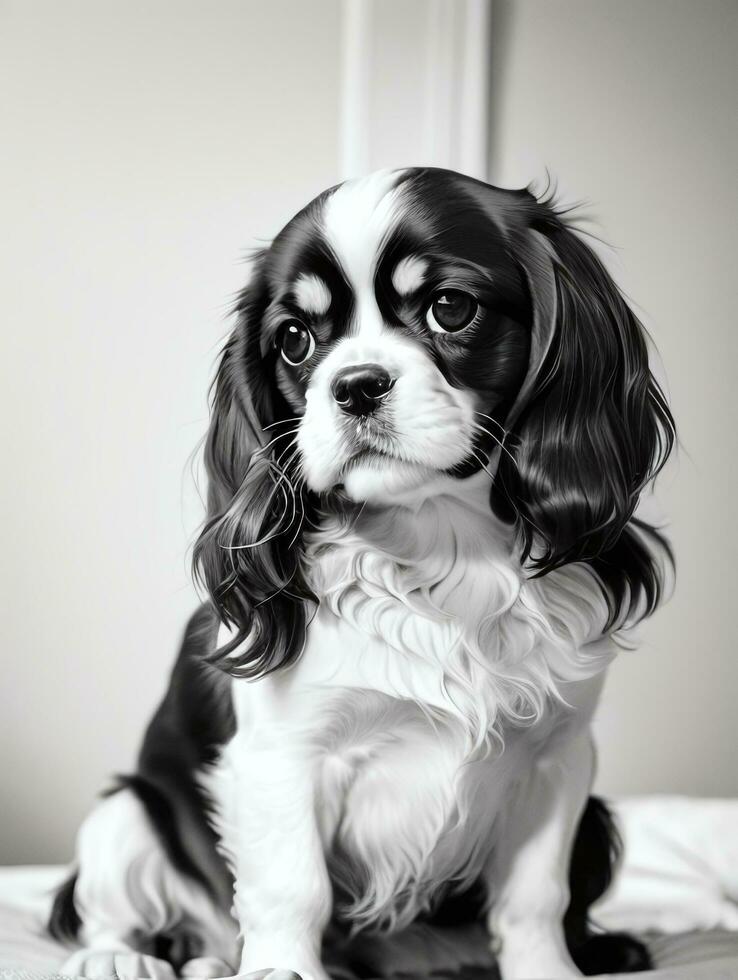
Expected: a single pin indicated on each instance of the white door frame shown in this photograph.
(448, 121)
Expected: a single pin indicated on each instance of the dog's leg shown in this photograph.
(282, 891)
(127, 892)
(529, 872)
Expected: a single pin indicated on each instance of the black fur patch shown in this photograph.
(64, 919)
(596, 853)
(193, 721)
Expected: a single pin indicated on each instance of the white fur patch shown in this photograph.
(127, 889)
(440, 585)
(357, 219)
(312, 295)
(529, 872)
(409, 274)
(430, 650)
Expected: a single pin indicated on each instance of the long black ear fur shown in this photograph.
(592, 427)
(248, 554)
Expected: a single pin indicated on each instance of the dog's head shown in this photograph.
(401, 332)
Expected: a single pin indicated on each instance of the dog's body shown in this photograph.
(428, 729)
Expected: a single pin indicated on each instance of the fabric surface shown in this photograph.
(678, 889)
(681, 866)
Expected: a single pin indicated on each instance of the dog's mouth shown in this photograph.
(368, 455)
(371, 443)
(374, 461)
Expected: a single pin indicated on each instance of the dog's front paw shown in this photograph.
(294, 963)
(206, 968)
(125, 964)
(538, 968)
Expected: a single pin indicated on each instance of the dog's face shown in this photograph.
(401, 333)
(402, 328)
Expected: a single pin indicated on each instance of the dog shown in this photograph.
(430, 430)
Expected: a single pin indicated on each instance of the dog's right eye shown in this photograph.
(451, 311)
(296, 343)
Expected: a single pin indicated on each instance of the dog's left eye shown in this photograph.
(451, 311)
(296, 343)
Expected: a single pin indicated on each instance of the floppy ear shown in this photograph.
(591, 426)
(249, 550)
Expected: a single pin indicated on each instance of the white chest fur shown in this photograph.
(432, 596)
(433, 674)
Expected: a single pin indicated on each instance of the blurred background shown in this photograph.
(147, 144)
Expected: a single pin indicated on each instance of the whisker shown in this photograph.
(278, 486)
(262, 449)
(269, 537)
(494, 438)
(360, 511)
(296, 535)
(286, 449)
(494, 421)
(481, 462)
(296, 418)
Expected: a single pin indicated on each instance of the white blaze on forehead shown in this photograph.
(408, 275)
(356, 220)
(312, 295)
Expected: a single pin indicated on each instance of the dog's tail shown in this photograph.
(64, 920)
(597, 850)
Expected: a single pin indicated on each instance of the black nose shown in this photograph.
(359, 389)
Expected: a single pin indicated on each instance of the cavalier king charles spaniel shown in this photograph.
(430, 430)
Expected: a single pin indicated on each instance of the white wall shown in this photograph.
(146, 145)
(631, 104)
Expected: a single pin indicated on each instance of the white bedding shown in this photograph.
(681, 866)
(678, 887)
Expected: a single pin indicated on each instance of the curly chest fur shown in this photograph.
(432, 603)
(431, 676)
